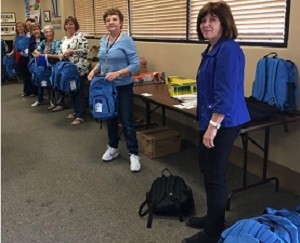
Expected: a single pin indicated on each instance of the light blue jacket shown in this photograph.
(122, 54)
(220, 85)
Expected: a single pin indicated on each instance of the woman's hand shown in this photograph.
(111, 76)
(36, 53)
(91, 75)
(208, 138)
(68, 53)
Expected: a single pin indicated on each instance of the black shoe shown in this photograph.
(196, 222)
(200, 237)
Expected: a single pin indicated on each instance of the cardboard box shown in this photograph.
(158, 142)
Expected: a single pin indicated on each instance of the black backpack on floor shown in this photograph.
(168, 196)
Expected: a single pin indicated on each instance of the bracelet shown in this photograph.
(215, 124)
(120, 73)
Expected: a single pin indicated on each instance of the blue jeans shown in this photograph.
(40, 97)
(213, 163)
(79, 101)
(125, 114)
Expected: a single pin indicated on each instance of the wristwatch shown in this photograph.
(215, 124)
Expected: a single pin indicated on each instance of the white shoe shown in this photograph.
(135, 165)
(110, 154)
(37, 103)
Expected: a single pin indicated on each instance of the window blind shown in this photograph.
(84, 14)
(158, 19)
(257, 20)
(101, 7)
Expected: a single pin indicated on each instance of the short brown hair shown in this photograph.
(73, 20)
(113, 11)
(222, 10)
(32, 20)
(34, 25)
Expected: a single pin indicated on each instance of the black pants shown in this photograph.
(213, 163)
(28, 87)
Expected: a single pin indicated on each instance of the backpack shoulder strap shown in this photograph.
(153, 197)
(258, 89)
(173, 194)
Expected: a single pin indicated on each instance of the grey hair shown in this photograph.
(48, 27)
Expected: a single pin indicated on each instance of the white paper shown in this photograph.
(73, 85)
(146, 94)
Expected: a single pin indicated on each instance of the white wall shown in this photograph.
(183, 60)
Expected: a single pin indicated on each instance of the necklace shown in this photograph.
(108, 47)
(47, 47)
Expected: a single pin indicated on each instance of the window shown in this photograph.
(85, 16)
(89, 14)
(259, 22)
(158, 19)
(101, 6)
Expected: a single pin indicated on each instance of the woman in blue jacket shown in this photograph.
(118, 62)
(221, 111)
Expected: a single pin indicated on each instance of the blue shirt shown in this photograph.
(220, 85)
(119, 55)
(54, 48)
(21, 44)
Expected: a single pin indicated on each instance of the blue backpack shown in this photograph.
(65, 77)
(276, 83)
(32, 69)
(9, 67)
(41, 74)
(265, 228)
(292, 215)
(103, 98)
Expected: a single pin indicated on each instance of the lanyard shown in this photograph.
(108, 47)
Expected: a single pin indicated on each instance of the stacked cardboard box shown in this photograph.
(159, 142)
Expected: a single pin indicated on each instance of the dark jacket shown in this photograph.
(32, 43)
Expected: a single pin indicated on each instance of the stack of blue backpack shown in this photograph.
(282, 226)
(9, 67)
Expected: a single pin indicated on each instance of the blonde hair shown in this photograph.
(48, 27)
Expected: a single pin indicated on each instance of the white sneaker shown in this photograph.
(110, 154)
(37, 103)
(135, 165)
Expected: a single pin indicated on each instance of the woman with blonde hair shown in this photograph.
(51, 48)
(21, 53)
